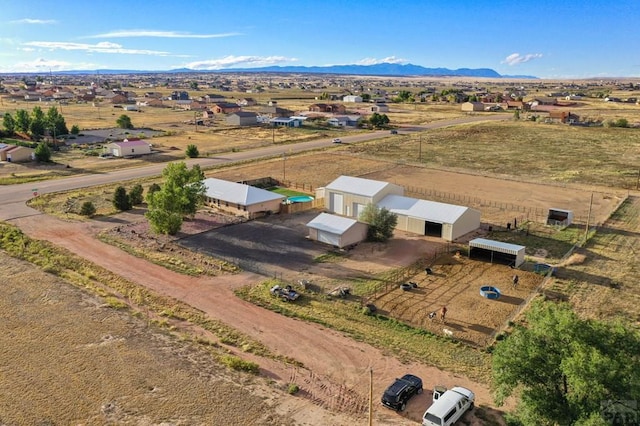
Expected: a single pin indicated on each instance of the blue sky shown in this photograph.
(547, 39)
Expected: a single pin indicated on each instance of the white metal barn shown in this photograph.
(424, 217)
(348, 195)
(337, 230)
(497, 251)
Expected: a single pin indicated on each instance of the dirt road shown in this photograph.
(337, 368)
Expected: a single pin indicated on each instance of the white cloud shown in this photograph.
(34, 21)
(42, 65)
(163, 34)
(237, 61)
(387, 60)
(102, 47)
(516, 58)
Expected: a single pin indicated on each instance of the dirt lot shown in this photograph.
(69, 359)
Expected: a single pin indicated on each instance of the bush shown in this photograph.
(239, 364)
(121, 199)
(292, 389)
(135, 195)
(87, 209)
(192, 151)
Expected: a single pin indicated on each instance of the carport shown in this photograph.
(496, 252)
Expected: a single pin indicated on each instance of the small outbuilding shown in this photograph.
(472, 106)
(337, 231)
(16, 153)
(497, 252)
(559, 217)
(424, 217)
(241, 199)
(242, 118)
(352, 98)
(129, 148)
(348, 195)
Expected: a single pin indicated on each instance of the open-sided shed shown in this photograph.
(497, 251)
(559, 217)
(336, 230)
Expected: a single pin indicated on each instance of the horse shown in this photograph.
(443, 313)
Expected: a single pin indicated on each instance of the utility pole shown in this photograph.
(370, 396)
(284, 166)
(273, 133)
(638, 181)
(195, 120)
(586, 231)
(420, 149)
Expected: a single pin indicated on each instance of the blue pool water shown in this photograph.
(300, 198)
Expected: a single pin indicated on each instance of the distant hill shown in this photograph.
(383, 69)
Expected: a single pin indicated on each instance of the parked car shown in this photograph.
(448, 406)
(394, 132)
(400, 392)
(337, 140)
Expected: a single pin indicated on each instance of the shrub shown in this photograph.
(135, 195)
(292, 389)
(121, 200)
(87, 209)
(239, 364)
(192, 151)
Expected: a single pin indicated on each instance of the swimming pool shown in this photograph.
(300, 199)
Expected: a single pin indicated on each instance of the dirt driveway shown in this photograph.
(334, 364)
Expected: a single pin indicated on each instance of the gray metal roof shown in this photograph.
(500, 246)
(331, 223)
(238, 193)
(358, 186)
(431, 211)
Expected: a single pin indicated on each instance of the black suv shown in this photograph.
(401, 391)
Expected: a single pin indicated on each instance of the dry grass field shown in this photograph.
(70, 359)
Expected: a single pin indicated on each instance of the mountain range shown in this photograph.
(382, 69)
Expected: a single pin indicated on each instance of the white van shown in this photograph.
(448, 406)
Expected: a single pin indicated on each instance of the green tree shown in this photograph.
(124, 122)
(87, 209)
(193, 85)
(192, 151)
(516, 114)
(42, 152)
(381, 222)
(135, 195)
(565, 367)
(404, 96)
(153, 188)
(55, 122)
(121, 200)
(181, 193)
(23, 120)
(379, 120)
(75, 129)
(9, 123)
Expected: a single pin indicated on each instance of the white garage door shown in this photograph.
(337, 203)
(328, 238)
(357, 209)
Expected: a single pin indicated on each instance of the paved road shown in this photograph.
(13, 197)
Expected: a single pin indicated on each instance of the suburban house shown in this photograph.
(240, 199)
(330, 108)
(275, 111)
(242, 119)
(559, 116)
(285, 122)
(352, 98)
(472, 106)
(337, 231)
(128, 148)
(179, 96)
(344, 120)
(348, 195)
(226, 108)
(213, 98)
(247, 102)
(16, 153)
(446, 221)
(379, 108)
